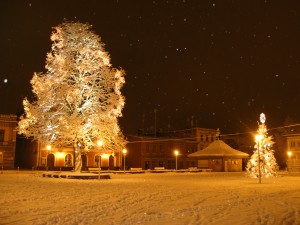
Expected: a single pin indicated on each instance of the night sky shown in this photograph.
(221, 63)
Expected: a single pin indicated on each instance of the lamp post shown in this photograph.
(176, 154)
(99, 143)
(124, 154)
(289, 153)
(258, 138)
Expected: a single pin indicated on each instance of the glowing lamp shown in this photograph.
(60, 154)
(48, 147)
(259, 137)
(262, 118)
(176, 154)
(105, 156)
(99, 143)
(124, 154)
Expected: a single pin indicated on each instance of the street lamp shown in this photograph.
(289, 153)
(176, 154)
(124, 154)
(258, 138)
(99, 143)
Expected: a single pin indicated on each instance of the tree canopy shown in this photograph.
(78, 99)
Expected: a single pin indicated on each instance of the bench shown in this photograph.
(136, 169)
(93, 169)
(159, 168)
(194, 169)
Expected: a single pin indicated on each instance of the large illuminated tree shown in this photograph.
(78, 99)
(262, 163)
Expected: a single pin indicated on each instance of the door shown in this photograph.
(111, 162)
(50, 161)
(84, 162)
(147, 165)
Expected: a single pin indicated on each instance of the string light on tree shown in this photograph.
(262, 163)
(78, 98)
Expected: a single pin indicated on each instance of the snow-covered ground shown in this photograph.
(165, 198)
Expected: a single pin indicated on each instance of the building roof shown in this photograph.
(219, 148)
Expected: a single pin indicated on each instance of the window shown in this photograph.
(68, 160)
(292, 144)
(1, 135)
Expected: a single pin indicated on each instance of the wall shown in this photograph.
(8, 125)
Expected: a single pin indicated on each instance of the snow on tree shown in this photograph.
(262, 163)
(78, 99)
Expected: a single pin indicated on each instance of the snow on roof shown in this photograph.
(219, 148)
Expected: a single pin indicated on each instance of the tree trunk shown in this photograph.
(78, 161)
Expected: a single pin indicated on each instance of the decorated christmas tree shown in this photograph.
(262, 163)
(78, 99)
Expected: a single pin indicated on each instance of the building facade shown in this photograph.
(293, 152)
(148, 152)
(62, 158)
(8, 135)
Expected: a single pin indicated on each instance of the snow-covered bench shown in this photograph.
(159, 168)
(93, 169)
(136, 169)
(194, 169)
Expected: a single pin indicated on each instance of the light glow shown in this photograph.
(263, 162)
(78, 71)
(100, 143)
(262, 118)
(259, 137)
(105, 156)
(60, 155)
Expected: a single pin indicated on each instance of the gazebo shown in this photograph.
(219, 156)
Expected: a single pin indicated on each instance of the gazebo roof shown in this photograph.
(219, 148)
